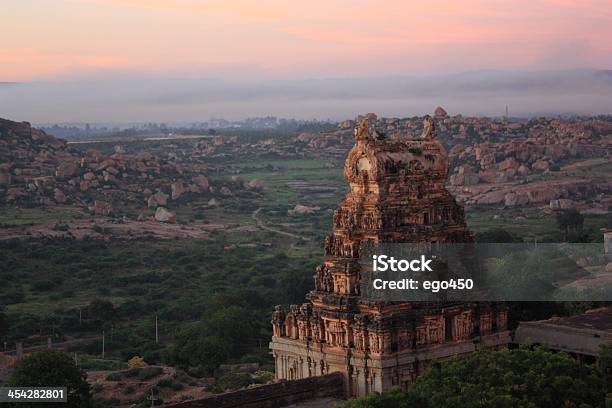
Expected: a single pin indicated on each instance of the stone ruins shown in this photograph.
(397, 194)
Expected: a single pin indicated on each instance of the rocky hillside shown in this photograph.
(39, 169)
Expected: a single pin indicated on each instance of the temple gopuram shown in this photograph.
(397, 194)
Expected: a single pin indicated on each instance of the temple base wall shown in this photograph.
(366, 373)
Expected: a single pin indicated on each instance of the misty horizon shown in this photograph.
(473, 93)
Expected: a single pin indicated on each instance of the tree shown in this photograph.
(235, 325)
(52, 369)
(224, 332)
(604, 365)
(569, 220)
(102, 310)
(193, 347)
(508, 378)
(497, 236)
(3, 323)
(392, 398)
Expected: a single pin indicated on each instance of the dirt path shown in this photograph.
(260, 224)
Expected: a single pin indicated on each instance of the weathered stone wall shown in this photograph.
(273, 395)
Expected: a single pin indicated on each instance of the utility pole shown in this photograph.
(80, 316)
(152, 398)
(156, 331)
(102, 343)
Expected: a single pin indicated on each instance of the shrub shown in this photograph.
(234, 381)
(113, 377)
(146, 373)
(132, 372)
(129, 390)
(136, 362)
(165, 382)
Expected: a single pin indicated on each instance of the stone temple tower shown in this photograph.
(397, 194)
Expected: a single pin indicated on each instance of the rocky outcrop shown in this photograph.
(201, 182)
(164, 215)
(38, 169)
(101, 208)
(177, 190)
(465, 176)
(59, 196)
(158, 199)
(562, 204)
(303, 209)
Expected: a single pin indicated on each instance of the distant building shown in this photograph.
(440, 113)
(580, 335)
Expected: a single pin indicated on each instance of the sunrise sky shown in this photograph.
(63, 39)
(246, 40)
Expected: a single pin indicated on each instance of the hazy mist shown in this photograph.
(185, 100)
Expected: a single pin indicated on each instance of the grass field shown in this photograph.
(15, 217)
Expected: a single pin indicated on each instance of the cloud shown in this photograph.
(258, 11)
(171, 100)
(246, 40)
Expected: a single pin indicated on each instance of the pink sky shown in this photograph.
(245, 39)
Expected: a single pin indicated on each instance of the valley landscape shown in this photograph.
(186, 232)
(196, 199)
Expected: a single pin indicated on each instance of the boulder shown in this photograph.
(109, 177)
(101, 208)
(255, 184)
(106, 163)
(561, 204)
(59, 196)
(347, 124)
(465, 177)
(303, 209)
(66, 169)
(14, 193)
(157, 199)
(201, 181)
(507, 165)
(5, 179)
(541, 165)
(164, 215)
(177, 190)
(542, 195)
(493, 197)
(510, 199)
